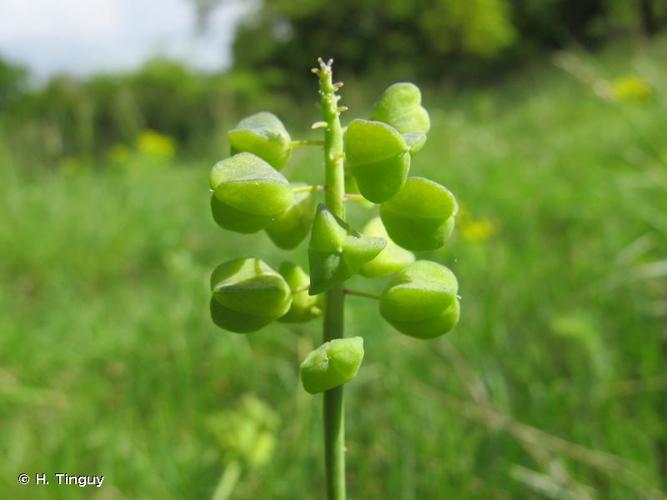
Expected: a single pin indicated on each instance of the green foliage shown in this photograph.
(74, 117)
(248, 433)
(383, 36)
(429, 39)
(479, 27)
(13, 83)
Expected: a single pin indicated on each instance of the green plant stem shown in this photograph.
(358, 293)
(312, 188)
(334, 416)
(306, 142)
(228, 481)
(355, 197)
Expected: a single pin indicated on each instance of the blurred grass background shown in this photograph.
(553, 386)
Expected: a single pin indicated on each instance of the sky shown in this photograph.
(84, 36)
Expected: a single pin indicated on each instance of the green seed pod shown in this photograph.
(248, 194)
(415, 142)
(351, 186)
(264, 135)
(420, 301)
(291, 228)
(247, 295)
(421, 215)
(376, 155)
(336, 252)
(304, 307)
(390, 260)
(400, 106)
(332, 364)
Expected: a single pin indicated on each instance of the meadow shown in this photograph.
(554, 385)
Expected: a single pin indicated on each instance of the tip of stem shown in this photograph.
(324, 66)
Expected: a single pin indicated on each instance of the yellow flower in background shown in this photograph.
(630, 87)
(475, 230)
(153, 143)
(478, 230)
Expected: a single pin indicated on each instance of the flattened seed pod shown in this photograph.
(264, 135)
(304, 307)
(247, 295)
(332, 364)
(336, 252)
(292, 227)
(377, 156)
(421, 216)
(248, 194)
(391, 259)
(420, 301)
(400, 106)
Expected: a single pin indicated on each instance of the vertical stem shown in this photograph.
(334, 413)
(228, 481)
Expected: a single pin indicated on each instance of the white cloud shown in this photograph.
(82, 36)
(48, 18)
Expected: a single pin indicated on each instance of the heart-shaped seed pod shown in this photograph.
(332, 364)
(415, 142)
(421, 216)
(400, 106)
(420, 301)
(291, 228)
(248, 194)
(390, 260)
(377, 156)
(264, 135)
(336, 252)
(247, 295)
(304, 307)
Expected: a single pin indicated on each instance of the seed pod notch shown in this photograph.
(248, 194)
(377, 156)
(247, 295)
(264, 135)
(400, 106)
